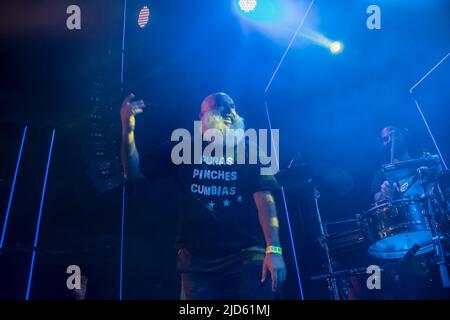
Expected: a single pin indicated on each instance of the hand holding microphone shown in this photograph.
(128, 110)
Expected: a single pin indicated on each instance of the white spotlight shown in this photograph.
(336, 47)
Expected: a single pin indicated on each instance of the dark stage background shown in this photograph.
(329, 109)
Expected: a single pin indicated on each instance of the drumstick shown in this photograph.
(392, 145)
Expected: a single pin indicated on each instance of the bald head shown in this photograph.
(218, 111)
(217, 101)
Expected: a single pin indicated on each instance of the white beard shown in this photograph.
(211, 120)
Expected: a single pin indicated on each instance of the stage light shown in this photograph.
(335, 47)
(144, 15)
(247, 5)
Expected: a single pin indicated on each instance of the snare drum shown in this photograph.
(394, 227)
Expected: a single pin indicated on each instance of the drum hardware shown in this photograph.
(438, 248)
(391, 269)
(443, 201)
(300, 177)
(394, 226)
(345, 236)
(395, 230)
(332, 284)
(342, 273)
(400, 170)
(343, 278)
(408, 256)
(400, 264)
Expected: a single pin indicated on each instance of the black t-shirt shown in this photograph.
(219, 216)
(377, 181)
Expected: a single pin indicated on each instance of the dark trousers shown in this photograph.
(241, 281)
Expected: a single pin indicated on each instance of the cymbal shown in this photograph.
(326, 177)
(300, 175)
(334, 179)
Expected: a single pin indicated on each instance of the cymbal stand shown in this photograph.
(332, 284)
(438, 248)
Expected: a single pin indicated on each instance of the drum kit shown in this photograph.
(412, 223)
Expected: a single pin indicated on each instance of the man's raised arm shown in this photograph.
(129, 154)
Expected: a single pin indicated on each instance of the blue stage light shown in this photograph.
(247, 5)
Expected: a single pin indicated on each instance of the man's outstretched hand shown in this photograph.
(274, 263)
(128, 110)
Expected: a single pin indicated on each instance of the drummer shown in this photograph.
(416, 279)
(394, 144)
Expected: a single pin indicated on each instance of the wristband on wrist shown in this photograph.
(274, 249)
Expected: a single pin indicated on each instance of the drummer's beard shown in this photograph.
(400, 150)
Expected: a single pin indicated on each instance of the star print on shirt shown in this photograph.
(239, 199)
(226, 203)
(211, 205)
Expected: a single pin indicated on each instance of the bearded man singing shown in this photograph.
(228, 242)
